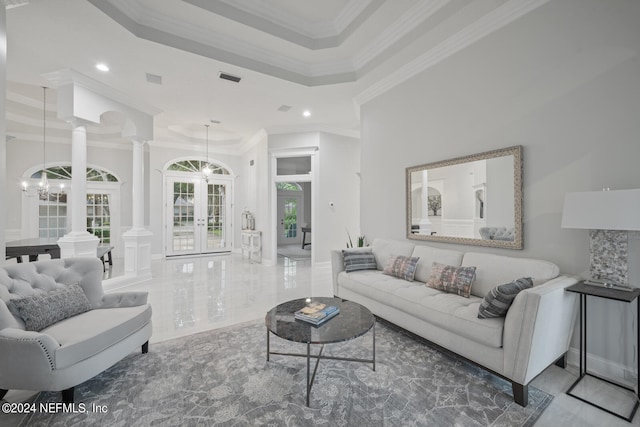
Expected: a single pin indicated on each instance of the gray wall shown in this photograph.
(563, 82)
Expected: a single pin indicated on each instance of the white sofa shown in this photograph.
(75, 349)
(535, 333)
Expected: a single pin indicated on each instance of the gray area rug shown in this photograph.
(222, 378)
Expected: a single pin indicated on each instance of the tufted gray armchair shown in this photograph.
(72, 350)
(497, 233)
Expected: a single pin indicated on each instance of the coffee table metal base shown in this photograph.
(309, 356)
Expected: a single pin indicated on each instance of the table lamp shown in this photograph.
(609, 215)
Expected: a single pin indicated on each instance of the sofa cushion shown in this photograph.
(450, 312)
(383, 249)
(92, 332)
(453, 280)
(355, 260)
(401, 267)
(41, 310)
(428, 255)
(372, 284)
(497, 302)
(493, 270)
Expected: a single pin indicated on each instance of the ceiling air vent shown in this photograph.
(154, 78)
(226, 76)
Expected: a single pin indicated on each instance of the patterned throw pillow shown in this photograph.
(497, 302)
(453, 280)
(401, 267)
(359, 260)
(42, 310)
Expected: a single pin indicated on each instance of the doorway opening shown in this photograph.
(293, 208)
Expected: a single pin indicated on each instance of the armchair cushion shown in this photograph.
(41, 310)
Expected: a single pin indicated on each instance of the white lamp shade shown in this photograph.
(602, 210)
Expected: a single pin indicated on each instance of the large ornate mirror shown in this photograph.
(472, 200)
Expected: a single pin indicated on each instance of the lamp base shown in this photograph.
(608, 284)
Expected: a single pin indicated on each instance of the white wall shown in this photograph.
(3, 128)
(563, 82)
(254, 189)
(340, 186)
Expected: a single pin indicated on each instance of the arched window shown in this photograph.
(288, 186)
(52, 210)
(197, 166)
(64, 172)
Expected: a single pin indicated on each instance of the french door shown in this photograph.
(289, 219)
(198, 216)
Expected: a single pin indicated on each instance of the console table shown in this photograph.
(251, 245)
(585, 290)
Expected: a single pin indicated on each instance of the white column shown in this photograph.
(425, 224)
(138, 185)
(137, 240)
(79, 242)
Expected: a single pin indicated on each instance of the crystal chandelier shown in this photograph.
(43, 186)
(206, 170)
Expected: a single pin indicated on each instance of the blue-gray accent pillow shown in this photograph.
(359, 260)
(497, 302)
(42, 310)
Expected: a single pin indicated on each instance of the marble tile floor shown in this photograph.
(191, 295)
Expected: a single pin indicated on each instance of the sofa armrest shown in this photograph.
(124, 299)
(538, 328)
(24, 355)
(337, 266)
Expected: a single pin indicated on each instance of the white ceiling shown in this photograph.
(326, 56)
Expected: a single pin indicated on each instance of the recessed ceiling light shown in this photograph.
(306, 113)
(102, 67)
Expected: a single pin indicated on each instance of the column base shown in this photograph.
(78, 244)
(425, 227)
(137, 252)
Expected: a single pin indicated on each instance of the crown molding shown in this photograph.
(491, 22)
(413, 17)
(272, 20)
(279, 130)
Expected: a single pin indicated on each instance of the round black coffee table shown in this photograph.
(353, 321)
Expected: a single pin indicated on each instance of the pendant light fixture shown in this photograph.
(43, 186)
(206, 170)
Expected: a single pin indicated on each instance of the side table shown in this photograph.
(585, 290)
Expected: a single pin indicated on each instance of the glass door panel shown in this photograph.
(198, 221)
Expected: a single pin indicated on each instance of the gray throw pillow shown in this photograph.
(402, 267)
(42, 310)
(359, 260)
(497, 302)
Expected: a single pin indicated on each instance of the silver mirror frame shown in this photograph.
(517, 243)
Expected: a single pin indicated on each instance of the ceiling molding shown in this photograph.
(279, 130)
(400, 28)
(491, 22)
(272, 20)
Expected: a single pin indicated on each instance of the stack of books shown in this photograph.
(316, 313)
